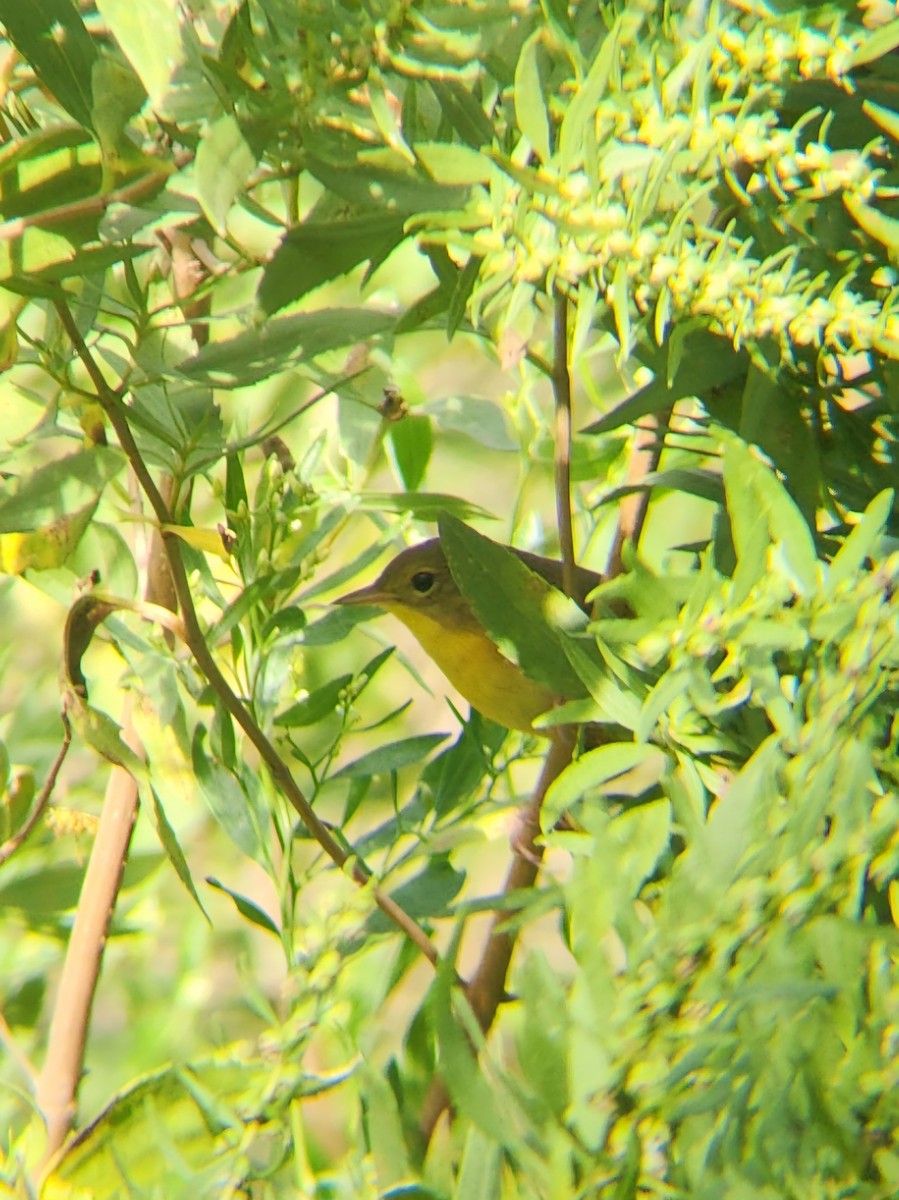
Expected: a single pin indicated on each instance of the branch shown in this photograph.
(11, 845)
(58, 1082)
(196, 643)
(644, 459)
(57, 1087)
(562, 389)
(487, 986)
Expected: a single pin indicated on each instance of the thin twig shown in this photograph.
(11, 845)
(561, 378)
(632, 511)
(269, 430)
(196, 643)
(487, 986)
(14, 1050)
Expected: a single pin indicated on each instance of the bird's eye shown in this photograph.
(423, 581)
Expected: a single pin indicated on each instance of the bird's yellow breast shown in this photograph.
(474, 666)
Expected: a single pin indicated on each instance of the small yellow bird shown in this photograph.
(418, 588)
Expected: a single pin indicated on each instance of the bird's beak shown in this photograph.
(368, 595)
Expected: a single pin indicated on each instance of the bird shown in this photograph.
(418, 588)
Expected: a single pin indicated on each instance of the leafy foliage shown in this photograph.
(282, 284)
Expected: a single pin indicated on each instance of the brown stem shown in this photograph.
(57, 1087)
(487, 986)
(196, 643)
(632, 511)
(11, 845)
(58, 1082)
(561, 378)
(191, 266)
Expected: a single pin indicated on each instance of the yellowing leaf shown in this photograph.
(41, 549)
(208, 541)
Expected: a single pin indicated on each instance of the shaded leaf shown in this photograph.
(51, 35)
(393, 757)
(514, 605)
(62, 488)
(174, 853)
(426, 896)
(229, 801)
(223, 163)
(320, 703)
(247, 908)
(281, 344)
(321, 250)
(411, 441)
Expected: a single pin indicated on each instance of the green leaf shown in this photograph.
(576, 134)
(519, 609)
(247, 600)
(172, 848)
(16, 797)
(59, 489)
(886, 118)
(23, 1005)
(454, 164)
(759, 505)
(462, 289)
(320, 250)
(594, 769)
(542, 1040)
(400, 192)
(223, 164)
(280, 345)
(424, 506)
(876, 224)
(82, 262)
(177, 426)
(320, 703)
(48, 547)
(615, 705)
(393, 757)
(426, 896)
(530, 107)
(117, 95)
(876, 44)
(621, 309)
(384, 1132)
(783, 434)
(235, 486)
(247, 908)
(102, 734)
(694, 481)
(451, 779)
(57, 888)
(410, 441)
(711, 864)
(149, 33)
(52, 37)
(182, 1130)
(482, 421)
(229, 801)
(703, 365)
(861, 543)
(481, 1168)
(468, 1086)
(464, 113)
